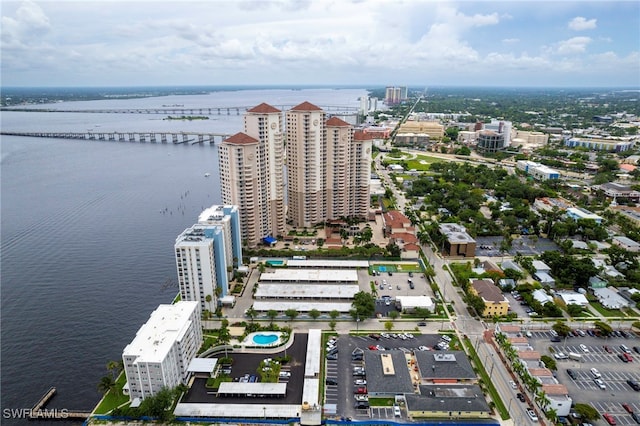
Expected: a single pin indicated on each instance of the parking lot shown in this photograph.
(342, 371)
(614, 372)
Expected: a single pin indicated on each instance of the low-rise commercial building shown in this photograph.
(448, 401)
(457, 241)
(495, 304)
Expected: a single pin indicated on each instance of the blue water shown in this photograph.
(88, 229)
(265, 339)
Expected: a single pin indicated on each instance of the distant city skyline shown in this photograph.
(324, 42)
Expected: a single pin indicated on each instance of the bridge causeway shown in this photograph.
(187, 138)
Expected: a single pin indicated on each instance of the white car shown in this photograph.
(423, 348)
(513, 384)
(560, 355)
(396, 411)
(360, 382)
(409, 335)
(600, 383)
(595, 373)
(532, 415)
(584, 348)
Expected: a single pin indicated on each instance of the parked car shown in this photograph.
(636, 417)
(571, 373)
(634, 385)
(396, 411)
(331, 381)
(600, 383)
(361, 390)
(609, 418)
(607, 348)
(636, 349)
(595, 373)
(627, 408)
(584, 348)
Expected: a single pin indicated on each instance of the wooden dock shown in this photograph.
(39, 412)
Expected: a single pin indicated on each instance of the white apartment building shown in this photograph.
(160, 354)
(252, 174)
(201, 264)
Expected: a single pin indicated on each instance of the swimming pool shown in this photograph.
(264, 338)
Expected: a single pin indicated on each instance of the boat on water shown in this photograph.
(207, 174)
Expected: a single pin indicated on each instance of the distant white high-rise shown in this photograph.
(160, 354)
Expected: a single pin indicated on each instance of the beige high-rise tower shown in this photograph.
(328, 169)
(264, 123)
(306, 164)
(252, 174)
(240, 183)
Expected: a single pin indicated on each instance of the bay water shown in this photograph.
(87, 234)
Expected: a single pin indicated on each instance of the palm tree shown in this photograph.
(251, 313)
(208, 299)
(115, 367)
(106, 384)
(552, 414)
(272, 314)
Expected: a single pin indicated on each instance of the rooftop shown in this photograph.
(240, 139)
(444, 365)
(156, 337)
(488, 291)
(381, 382)
(452, 398)
(306, 106)
(263, 108)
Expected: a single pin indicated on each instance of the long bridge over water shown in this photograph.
(189, 138)
(181, 110)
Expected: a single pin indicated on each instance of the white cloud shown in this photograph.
(510, 40)
(572, 46)
(580, 24)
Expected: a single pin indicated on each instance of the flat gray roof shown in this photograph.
(202, 365)
(249, 410)
(314, 352)
(444, 365)
(311, 275)
(306, 291)
(454, 398)
(257, 388)
(326, 263)
(380, 383)
(300, 306)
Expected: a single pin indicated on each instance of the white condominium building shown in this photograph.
(306, 164)
(202, 264)
(160, 354)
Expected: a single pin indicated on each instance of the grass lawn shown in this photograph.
(381, 402)
(113, 398)
(386, 267)
(604, 311)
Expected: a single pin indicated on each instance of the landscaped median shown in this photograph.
(495, 397)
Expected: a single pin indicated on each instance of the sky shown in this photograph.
(321, 42)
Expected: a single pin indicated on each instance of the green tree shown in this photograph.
(332, 324)
(314, 314)
(388, 325)
(106, 384)
(115, 367)
(549, 362)
(586, 411)
(364, 305)
(251, 313)
(334, 314)
(605, 329)
(272, 314)
(561, 328)
(394, 315)
(291, 313)
(423, 313)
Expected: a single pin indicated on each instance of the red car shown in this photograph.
(628, 408)
(373, 347)
(361, 390)
(607, 348)
(609, 418)
(627, 357)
